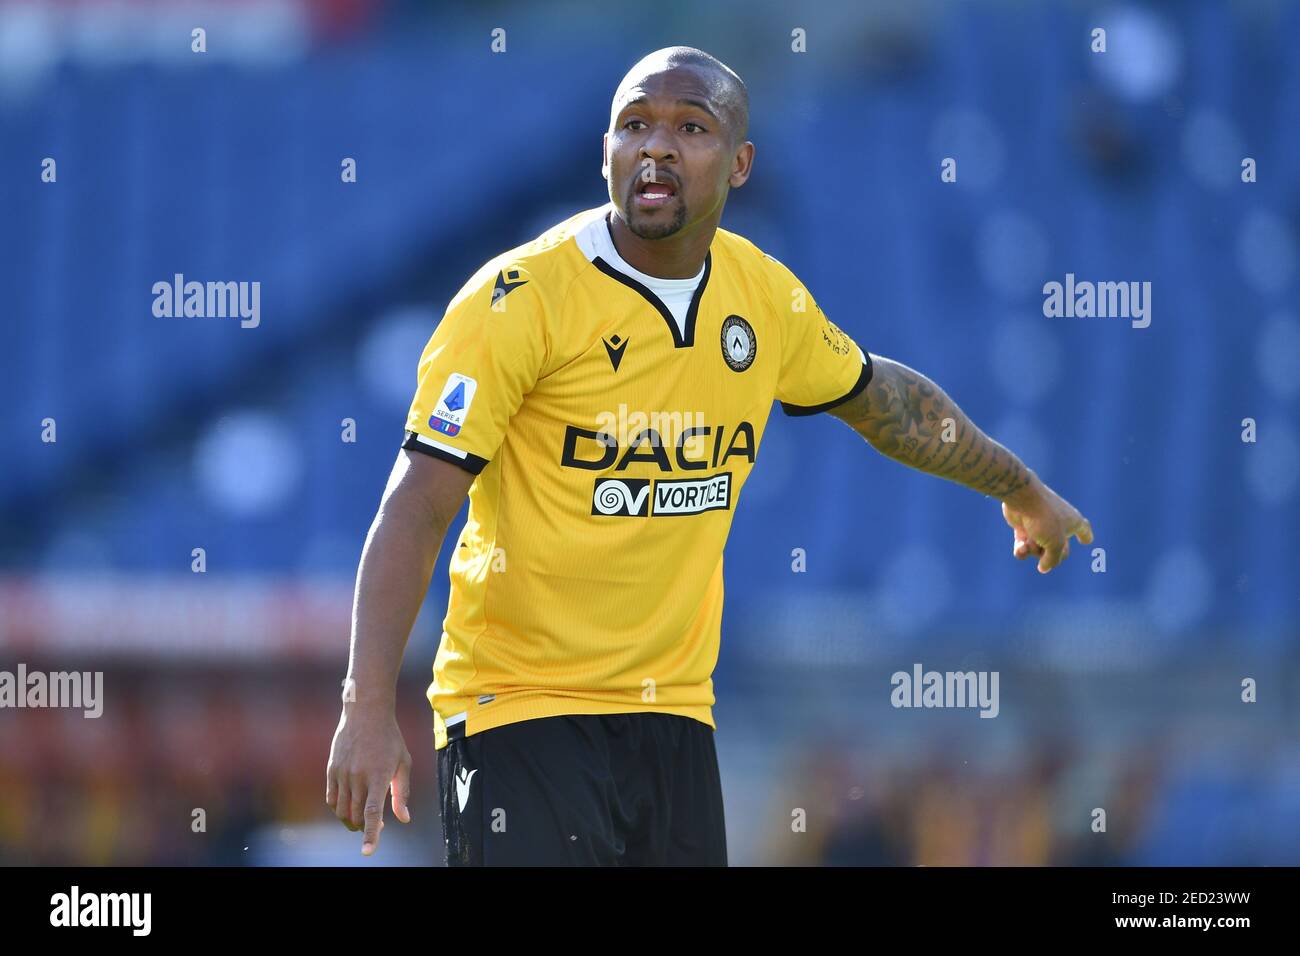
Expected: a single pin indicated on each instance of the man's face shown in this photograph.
(668, 153)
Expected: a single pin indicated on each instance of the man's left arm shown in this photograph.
(907, 417)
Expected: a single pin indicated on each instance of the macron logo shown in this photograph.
(507, 281)
(463, 780)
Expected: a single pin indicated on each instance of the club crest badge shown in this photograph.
(739, 346)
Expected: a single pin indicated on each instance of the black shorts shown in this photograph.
(584, 790)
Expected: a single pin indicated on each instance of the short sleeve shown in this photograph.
(821, 365)
(483, 358)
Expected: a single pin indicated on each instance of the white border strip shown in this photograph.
(439, 445)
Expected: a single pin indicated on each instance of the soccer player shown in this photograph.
(600, 393)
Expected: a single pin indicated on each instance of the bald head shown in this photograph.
(726, 89)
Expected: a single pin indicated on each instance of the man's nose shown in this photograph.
(659, 146)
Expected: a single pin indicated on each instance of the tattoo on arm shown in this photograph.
(902, 414)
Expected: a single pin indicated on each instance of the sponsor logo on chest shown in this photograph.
(644, 497)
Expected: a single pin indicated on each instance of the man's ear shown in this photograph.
(741, 165)
(604, 156)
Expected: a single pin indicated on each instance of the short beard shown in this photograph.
(656, 230)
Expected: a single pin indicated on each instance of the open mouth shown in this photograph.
(655, 193)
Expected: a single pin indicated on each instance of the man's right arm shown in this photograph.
(368, 755)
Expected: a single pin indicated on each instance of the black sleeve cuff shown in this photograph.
(471, 463)
(858, 386)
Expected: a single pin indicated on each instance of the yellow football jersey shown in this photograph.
(611, 443)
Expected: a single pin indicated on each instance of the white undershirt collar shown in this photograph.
(594, 240)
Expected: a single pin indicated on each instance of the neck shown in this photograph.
(679, 256)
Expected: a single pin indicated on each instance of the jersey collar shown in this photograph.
(680, 340)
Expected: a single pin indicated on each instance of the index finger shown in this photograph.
(1051, 557)
(374, 816)
(1083, 531)
(401, 789)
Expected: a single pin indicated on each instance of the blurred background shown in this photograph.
(1120, 688)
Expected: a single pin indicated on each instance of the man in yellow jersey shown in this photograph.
(601, 393)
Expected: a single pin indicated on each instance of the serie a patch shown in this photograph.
(453, 407)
